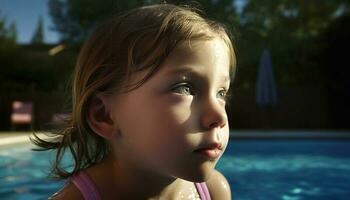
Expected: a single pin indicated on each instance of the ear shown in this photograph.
(99, 117)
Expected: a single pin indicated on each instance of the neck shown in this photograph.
(122, 181)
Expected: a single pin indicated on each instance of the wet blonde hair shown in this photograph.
(137, 40)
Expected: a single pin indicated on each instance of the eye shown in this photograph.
(224, 95)
(183, 88)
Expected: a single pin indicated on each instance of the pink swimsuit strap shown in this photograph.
(203, 191)
(89, 191)
(86, 186)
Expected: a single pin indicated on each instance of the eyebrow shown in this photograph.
(189, 72)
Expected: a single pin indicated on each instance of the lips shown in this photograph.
(212, 151)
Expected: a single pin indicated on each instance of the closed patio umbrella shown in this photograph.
(266, 94)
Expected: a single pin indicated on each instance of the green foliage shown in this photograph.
(8, 48)
(74, 19)
(38, 36)
(8, 59)
(335, 69)
(289, 29)
(8, 35)
(305, 39)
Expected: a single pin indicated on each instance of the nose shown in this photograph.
(213, 114)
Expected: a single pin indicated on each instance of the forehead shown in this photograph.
(202, 61)
(205, 52)
(191, 48)
(205, 61)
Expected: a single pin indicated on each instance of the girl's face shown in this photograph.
(177, 111)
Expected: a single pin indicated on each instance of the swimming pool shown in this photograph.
(288, 170)
(256, 170)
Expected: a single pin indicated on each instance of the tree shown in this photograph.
(8, 34)
(289, 29)
(8, 59)
(73, 19)
(8, 45)
(38, 36)
(334, 60)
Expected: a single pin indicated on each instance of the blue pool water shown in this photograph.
(255, 169)
(288, 170)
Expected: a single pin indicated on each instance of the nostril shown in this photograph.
(218, 123)
(213, 125)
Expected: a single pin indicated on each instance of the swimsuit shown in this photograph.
(90, 192)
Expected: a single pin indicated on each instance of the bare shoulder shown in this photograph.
(219, 187)
(69, 191)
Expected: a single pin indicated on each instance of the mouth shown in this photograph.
(213, 153)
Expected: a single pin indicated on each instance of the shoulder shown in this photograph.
(69, 191)
(218, 186)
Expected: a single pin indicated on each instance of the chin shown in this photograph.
(198, 175)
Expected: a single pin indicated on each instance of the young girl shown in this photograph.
(148, 119)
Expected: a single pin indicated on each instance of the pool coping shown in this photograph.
(14, 138)
(291, 134)
(8, 138)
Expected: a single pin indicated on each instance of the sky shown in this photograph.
(25, 14)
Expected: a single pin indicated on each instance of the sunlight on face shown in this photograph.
(179, 110)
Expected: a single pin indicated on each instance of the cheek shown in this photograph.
(174, 113)
(151, 120)
(164, 115)
(170, 122)
(168, 125)
(225, 135)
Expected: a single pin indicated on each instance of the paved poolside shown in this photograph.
(11, 138)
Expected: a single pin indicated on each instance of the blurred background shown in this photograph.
(300, 82)
(289, 112)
